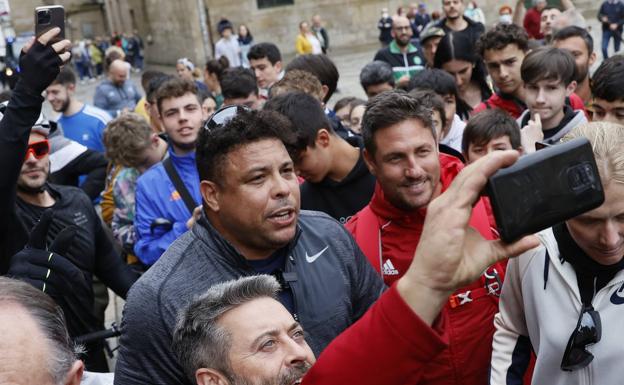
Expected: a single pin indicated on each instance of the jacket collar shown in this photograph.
(394, 48)
(204, 231)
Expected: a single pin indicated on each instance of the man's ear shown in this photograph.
(210, 194)
(71, 87)
(278, 66)
(592, 60)
(205, 376)
(325, 91)
(369, 159)
(570, 88)
(74, 376)
(323, 137)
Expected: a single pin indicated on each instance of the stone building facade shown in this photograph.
(187, 28)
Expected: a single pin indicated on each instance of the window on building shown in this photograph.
(274, 3)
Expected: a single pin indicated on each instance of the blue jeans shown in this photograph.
(607, 34)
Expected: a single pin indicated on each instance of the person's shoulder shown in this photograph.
(96, 113)
(155, 175)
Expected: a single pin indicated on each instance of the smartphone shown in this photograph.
(545, 188)
(48, 17)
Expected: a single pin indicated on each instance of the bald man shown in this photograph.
(117, 93)
(403, 54)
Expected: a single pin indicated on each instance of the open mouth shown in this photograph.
(283, 216)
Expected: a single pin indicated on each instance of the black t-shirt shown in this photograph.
(274, 265)
(341, 199)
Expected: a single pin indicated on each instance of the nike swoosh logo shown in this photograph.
(616, 297)
(312, 258)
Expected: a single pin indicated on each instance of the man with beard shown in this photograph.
(454, 20)
(402, 54)
(79, 121)
(251, 224)
(580, 44)
(117, 93)
(29, 199)
(236, 333)
(401, 151)
(167, 195)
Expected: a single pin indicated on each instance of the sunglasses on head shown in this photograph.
(223, 115)
(588, 331)
(38, 149)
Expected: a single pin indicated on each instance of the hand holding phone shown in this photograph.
(49, 17)
(545, 188)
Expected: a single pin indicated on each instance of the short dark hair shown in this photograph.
(320, 66)
(501, 36)
(490, 124)
(246, 127)
(153, 85)
(548, 63)
(238, 83)
(390, 108)
(608, 80)
(148, 75)
(376, 72)
(574, 31)
(265, 50)
(344, 102)
(442, 83)
(65, 77)
(304, 112)
(174, 87)
(217, 66)
(431, 100)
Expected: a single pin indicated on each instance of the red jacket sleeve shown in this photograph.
(389, 345)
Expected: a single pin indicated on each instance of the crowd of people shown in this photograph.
(260, 235)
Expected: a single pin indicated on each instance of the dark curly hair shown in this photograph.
(213, 146)
(608, 80)
(501, 36)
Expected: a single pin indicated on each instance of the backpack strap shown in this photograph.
(188, 200)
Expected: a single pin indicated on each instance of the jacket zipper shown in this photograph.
(292, 289)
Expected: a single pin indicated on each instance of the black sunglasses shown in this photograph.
(223, 115)
(587, 332)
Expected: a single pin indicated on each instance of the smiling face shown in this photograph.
(181, 118)
(267, 345)
(401, 30)
(256, 202)
(600, 232)
(59, 96)
(406, 164)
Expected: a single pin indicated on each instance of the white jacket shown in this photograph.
(541, 300)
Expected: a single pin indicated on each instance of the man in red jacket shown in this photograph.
(401, 151)
(236, 332)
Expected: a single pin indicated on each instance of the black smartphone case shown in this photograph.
(57, 19)
(545, 188)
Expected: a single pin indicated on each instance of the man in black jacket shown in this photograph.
(454, 20)
(26, 195)
(404, 55)
(251, 225)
